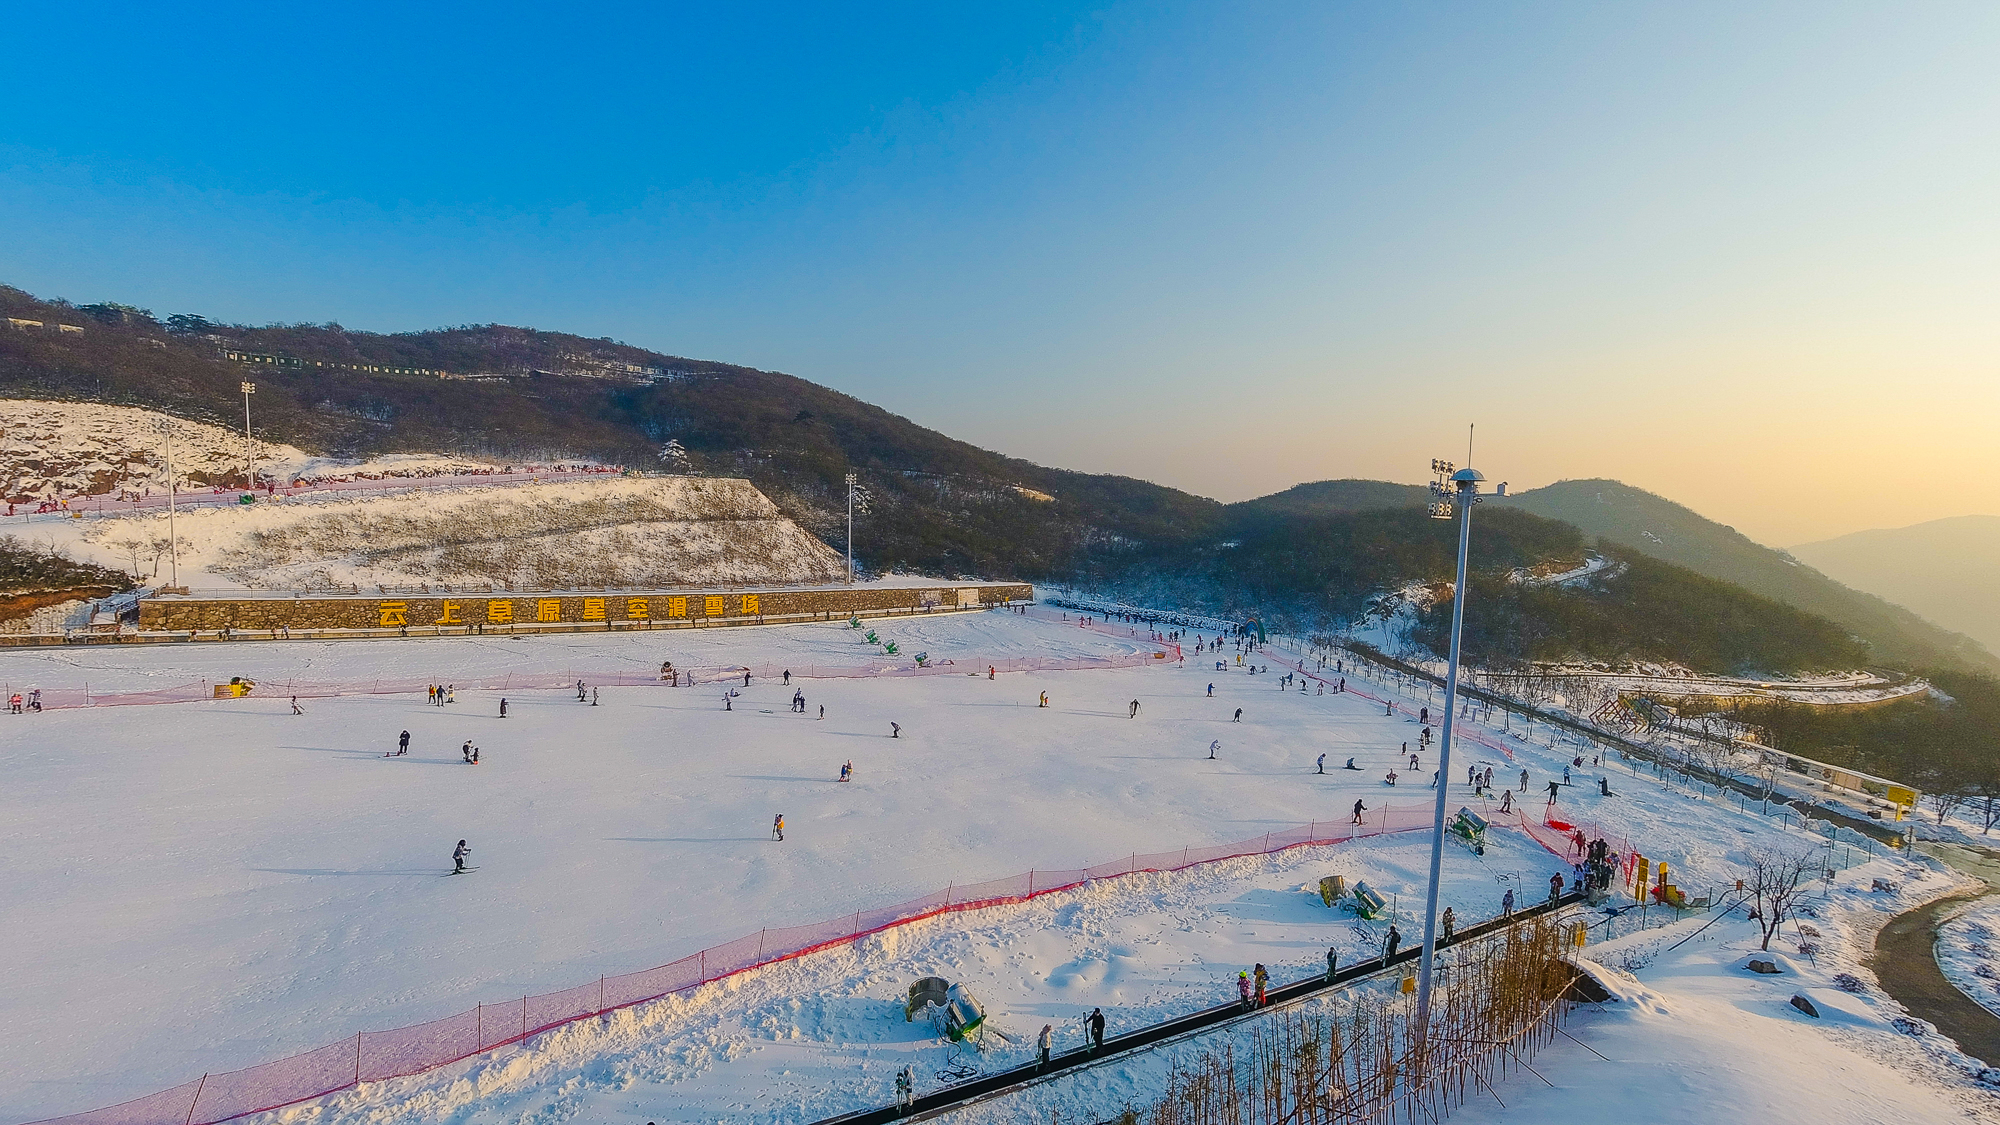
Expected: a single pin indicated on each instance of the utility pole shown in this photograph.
(851, 479)
(1453, 488)
(249, 451)
(173, 541)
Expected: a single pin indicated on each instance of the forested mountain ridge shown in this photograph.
(1312, 556)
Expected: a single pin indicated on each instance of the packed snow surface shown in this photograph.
(193, 888)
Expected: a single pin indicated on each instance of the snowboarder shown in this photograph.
(403, 744)
(1604, 786)
(1322, 764)
(1359, 808)
(503, 708)
(726, 697)
(1350, 765)
(778, 827)
(1392, 779)
(1213, 747)
(1096, 1029)
(458, 855)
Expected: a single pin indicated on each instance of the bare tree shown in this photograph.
(1777, 879)
(1944, 802)
(130, 550)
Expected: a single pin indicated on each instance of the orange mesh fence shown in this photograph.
(721, 675)
(377, 1055)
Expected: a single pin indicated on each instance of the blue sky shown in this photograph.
(1713, 250)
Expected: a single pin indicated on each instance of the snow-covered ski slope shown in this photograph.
(56, 450)
(193, 888)
(607, 532)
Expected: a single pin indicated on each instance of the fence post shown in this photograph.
(1031, 882)
(524, 1015)
(357, 1058)
(197, 1100)
(600, 995)
(760, 946)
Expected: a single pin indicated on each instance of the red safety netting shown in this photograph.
(376, 1055)
(888, 667)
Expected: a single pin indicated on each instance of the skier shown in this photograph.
(1045, 700)
(1507, 903)
(1096, 1029)
(403, 744)
(458, 855)
(1133, 713)
(1555, 787)
(593, 697)
(475, 755)
(1390, 943)
(726, 696)
(295, 706)
(1359, 808)
(1524, 781)
(465, 751)
(1044, 1043)
(1239, 716)
(1213, 747)
(847, 770)
(1211, 691)
(822, 710)
(906, 1089)
(778, 827)
(1332, 962)
(990, 673)
(1322, 764)
(1565, 775)
(1449, 921)
(1507, 800)
(1424, 715)
(503, 708)
(788, 677)
(895, 730)
(1262, 979)
(1243, 990)
(746, 677)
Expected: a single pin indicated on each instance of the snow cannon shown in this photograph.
(1368, 902)
(926, 993)
(1332, 889)
(964, 1016)
(1470, 828)
(236, 688)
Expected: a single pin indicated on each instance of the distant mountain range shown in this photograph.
(1311, 555)
(1947, 570)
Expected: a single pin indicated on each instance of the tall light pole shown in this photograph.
(851, 479)
(1454, 489)
(249, 452)
(173, 541)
